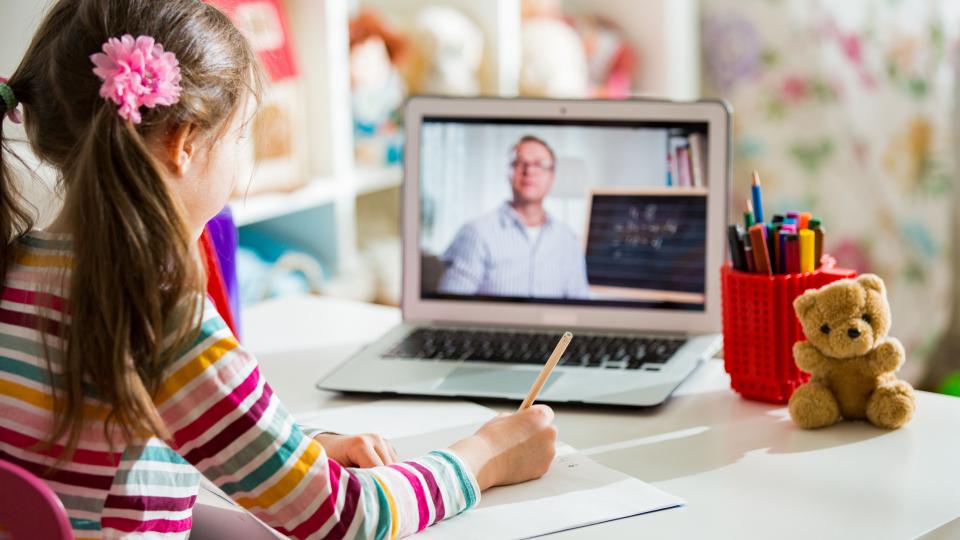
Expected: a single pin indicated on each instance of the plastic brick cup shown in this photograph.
(760, 328)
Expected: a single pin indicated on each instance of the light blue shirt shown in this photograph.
(494, 256)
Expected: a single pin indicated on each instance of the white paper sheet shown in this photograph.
(575, 492)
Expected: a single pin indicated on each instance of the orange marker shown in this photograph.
(761, 258)
(805, 218)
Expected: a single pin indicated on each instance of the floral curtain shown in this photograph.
(845, 109)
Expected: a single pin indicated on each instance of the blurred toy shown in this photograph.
(448, 52)
(850, 357)
(611, 62)
(553, 60)
(378, 90)
(268, 268)
(274, 158)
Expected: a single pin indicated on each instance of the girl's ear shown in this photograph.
(180, 148)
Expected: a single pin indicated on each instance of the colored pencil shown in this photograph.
(755, 191)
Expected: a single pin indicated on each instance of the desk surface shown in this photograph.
(745, 470)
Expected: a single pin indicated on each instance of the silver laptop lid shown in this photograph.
(580, 214)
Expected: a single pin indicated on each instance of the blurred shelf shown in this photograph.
(371, 179)
(266, 206)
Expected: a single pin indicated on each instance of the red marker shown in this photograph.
(792, 253)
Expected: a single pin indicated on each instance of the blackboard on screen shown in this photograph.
(648, 240)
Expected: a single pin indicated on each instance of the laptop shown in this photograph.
(526, 218)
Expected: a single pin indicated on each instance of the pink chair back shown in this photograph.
(29, 508)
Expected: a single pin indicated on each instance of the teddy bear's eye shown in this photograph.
(866, 318)
(825, 329)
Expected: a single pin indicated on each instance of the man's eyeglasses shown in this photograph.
(533, 166)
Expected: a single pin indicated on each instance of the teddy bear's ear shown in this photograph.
(804, 303)
(872, 282)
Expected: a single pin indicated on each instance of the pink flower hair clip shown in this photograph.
(136, 73)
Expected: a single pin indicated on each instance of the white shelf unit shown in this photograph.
(261, 207)
(321, 217)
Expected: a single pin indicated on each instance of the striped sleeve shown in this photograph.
(225, 420)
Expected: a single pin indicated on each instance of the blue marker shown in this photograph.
(757, 199)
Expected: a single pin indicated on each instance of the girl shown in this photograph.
(119, 384)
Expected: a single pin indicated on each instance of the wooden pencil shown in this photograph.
(547, 369)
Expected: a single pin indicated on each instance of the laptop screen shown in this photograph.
(575, 212)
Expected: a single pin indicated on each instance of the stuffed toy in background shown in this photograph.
(275, 155)
(850, 357)
(553, 60)
(449, 51)
(376, 51)
(611, 61)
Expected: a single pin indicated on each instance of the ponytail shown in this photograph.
(135, 274)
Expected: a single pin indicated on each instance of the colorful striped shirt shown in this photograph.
(226, 424)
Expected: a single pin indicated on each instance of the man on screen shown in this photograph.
(518, 250)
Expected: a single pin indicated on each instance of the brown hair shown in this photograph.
(136, 278)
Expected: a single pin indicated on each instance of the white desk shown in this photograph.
(745, 470)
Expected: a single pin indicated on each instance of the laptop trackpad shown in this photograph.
(475, 380)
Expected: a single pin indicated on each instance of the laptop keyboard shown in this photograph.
(599, 351)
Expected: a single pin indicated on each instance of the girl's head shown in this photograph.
(136, 195)
(66, 115)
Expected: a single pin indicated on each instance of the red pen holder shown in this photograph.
(760, 328)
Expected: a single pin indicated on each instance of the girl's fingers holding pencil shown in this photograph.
(543, 412)
(511, 448)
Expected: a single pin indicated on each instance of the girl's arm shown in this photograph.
(225, 420)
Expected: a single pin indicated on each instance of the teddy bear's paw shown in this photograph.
(813, 405)
(891, 405)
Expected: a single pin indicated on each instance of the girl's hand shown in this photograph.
(364, 450)
(511, 448)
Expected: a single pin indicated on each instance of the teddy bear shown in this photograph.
(850, 357)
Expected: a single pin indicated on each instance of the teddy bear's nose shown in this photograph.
(853, 333)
